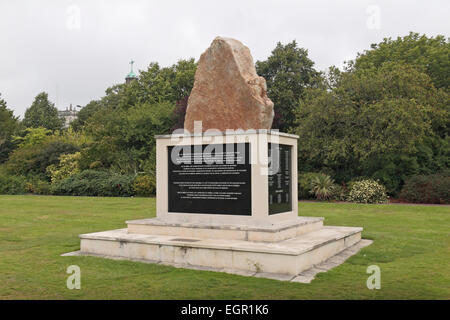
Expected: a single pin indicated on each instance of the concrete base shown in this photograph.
(284, 250)
(275, 231)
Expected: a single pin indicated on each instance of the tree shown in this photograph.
(123, 140)
(32, 136)
(42, 113)
(67, 166)
(288, 71)
(37, 149)
(9, 125)
(429, 55)
(33, 160)
(123, 123)
(374, 123)
(166, 84)
(85, 113)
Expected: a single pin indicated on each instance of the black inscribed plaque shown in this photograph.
(280, 181)
(212, 179)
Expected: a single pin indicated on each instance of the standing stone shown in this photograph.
(227, 93)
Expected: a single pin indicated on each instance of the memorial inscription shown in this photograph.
(280, 184)
(210, 179)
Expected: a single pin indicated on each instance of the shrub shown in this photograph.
(32, 160)
(367, 191)
(304, 185)
(118, 186)
(340, 192)
(322, 186)
(356, 179)
(95, 183)
(40, 187)
(433, 188)
(10, 184)
(67, 166)
(145, 186)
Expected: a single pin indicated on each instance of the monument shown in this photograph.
(227, 186)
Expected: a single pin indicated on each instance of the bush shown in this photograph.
(322, 186)
(40, 187)
(356, 179)
(33, 160)
(340, 192)
(95, 183)
(145, 186)
(304, 185)
(119, 186)
(367, 191)
(10, 184)
(67, 166)
(433, 188)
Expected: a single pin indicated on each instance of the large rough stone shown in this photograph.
(227, 93)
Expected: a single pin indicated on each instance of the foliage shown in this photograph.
(125, 140)
(12, 184)
(433, 188)
(304, 184)
(95, 183)
(145, 186)
(322, 186)
(429, 55)
(367, 191)
(42, 113)
(288, 71)
(9, 125)
(376, 123)
(32, 136)
(169, 84)
(340, 192)
(67, 166)
(356, 179)
(85, 113)
(18, 184)
(32, 159)
(37, 186)
(41, 187)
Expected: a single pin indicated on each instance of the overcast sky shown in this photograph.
(74, 50)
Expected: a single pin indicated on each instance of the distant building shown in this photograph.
(130, 76)
(68, 115)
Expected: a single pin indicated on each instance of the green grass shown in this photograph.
(411, 246)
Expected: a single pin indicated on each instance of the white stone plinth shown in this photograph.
(263, 243)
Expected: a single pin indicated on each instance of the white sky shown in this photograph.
(74, 49)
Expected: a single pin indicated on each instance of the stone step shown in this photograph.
(275, 232)
(289, 257)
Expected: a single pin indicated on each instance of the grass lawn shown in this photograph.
(411, 246)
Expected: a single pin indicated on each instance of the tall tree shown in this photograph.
(288, 71)
(123, 140)
(121, 125)
(42, 113)
(386, 123)
(85, 113)
(8, 126)
(428, 54)
(170, 84)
